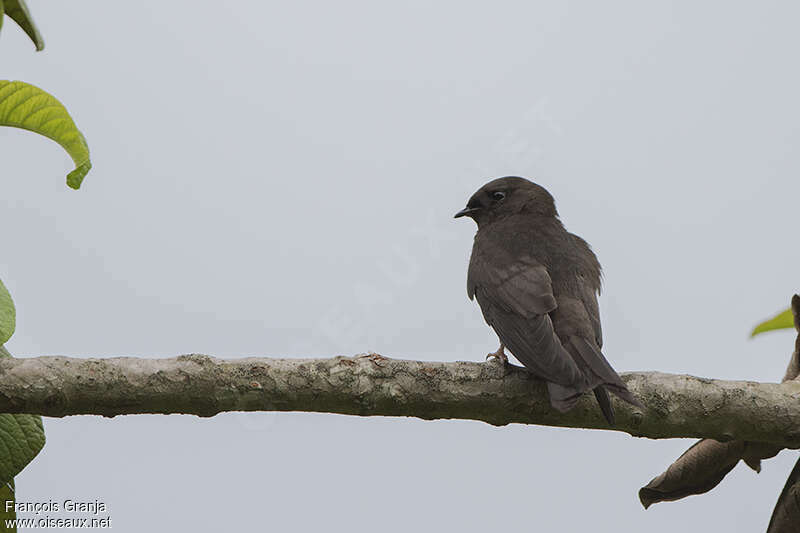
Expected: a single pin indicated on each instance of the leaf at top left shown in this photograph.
(28, 107)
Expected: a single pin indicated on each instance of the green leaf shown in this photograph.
(2, 12)
(8, 315)
(21, 439)
(24, 106)
(782, 320)
(17, 10)
(7, 494)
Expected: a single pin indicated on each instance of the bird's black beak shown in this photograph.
(467, 211)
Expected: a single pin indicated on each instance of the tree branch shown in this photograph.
(370, 385)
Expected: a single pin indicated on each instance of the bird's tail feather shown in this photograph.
(624, 394)
(600, 375)
(604, 402)
(564, 398)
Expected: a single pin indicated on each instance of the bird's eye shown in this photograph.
(498, 195)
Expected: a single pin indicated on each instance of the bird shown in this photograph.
(537, 286)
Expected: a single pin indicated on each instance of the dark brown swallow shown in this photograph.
(537, 286)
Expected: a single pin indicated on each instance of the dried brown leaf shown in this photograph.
(698, 470)
(786, 516)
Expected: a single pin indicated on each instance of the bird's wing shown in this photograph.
(588, 297)
(515, 298)
(589, 285)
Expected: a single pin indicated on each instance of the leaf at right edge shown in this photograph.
(17, 10)
(786, 514)
(21, 439)
(7, 495)
(28, 107)
(782, 320)
(8, 315)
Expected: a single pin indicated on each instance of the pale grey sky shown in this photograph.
(279, 179)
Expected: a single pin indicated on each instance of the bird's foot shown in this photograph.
(500, 355)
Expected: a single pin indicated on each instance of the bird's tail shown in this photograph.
(600, 378)
(601, 394)
(563, 398)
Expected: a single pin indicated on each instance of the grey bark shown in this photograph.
(370, 385)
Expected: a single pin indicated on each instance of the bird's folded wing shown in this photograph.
(522, 287)
(589, 298)
(515, 300)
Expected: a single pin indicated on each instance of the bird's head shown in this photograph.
(508, 196)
